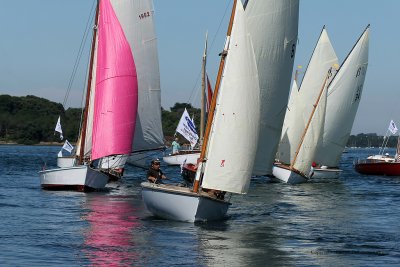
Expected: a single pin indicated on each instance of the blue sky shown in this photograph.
(40, 41)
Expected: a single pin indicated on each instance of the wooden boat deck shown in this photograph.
(175, 189)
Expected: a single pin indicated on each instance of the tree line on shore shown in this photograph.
(31, 120)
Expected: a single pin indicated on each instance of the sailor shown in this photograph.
(155, 174)
(175, 146)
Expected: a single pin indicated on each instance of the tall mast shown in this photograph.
(90, 75)
(328, 75)
(203, 93)
(214, 100)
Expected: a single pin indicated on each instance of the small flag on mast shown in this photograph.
(58, 128)
(67, 146)
(392, 127)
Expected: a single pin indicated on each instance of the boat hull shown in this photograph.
(81, 178)
(179, 159)
(64, 162)
(286, 175)
(180, 204)
(378, 168)
(330, 173)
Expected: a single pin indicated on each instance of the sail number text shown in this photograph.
(361, 71)
(144, 15)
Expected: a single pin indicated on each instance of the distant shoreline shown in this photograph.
(39, 144)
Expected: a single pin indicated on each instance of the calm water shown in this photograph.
(350, 221)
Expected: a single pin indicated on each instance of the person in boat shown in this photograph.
(313, 166)
(215, 193)
(155, 174)
(175, 146)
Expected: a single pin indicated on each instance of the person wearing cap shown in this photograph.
(155, 174)
(175, 146)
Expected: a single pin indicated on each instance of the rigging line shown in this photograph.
(191, 97)
(80, 52)
(83, 96)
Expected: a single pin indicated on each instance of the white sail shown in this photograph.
(273, 26)
(344, 94)
(300, 107)
(137, 20)
(232, 145)
(312, 137)
(89, 126)
(287, 145)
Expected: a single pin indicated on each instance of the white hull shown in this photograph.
(329, 173)
(180, 204)
(81, 178)
(287, 176)
(180, 158)
(64, 162)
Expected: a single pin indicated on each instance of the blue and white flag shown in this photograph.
(187, 129)
(67, 146)
(392, 127)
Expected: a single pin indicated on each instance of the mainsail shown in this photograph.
(232, 145)
(137, 21)
(313, 135)
(115, 104)
(301, 100)
(291, 134)
(272, 26)
(344, 94)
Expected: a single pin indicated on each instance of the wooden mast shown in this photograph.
(203, 92)
(215, 95)
(90, 75)
(328, 75)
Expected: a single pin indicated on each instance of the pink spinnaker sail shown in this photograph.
(116, 92)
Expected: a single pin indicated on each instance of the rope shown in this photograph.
(194, 89)
(80, 52)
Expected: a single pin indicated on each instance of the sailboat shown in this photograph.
(233, 118)
(110, 110)
(344, 95)
(188, 158)
(299, 168)
(381, 164)
(300, 108)
(137, 21)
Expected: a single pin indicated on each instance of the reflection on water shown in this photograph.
(108, 239)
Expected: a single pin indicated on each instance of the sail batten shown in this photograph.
(116, 97)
